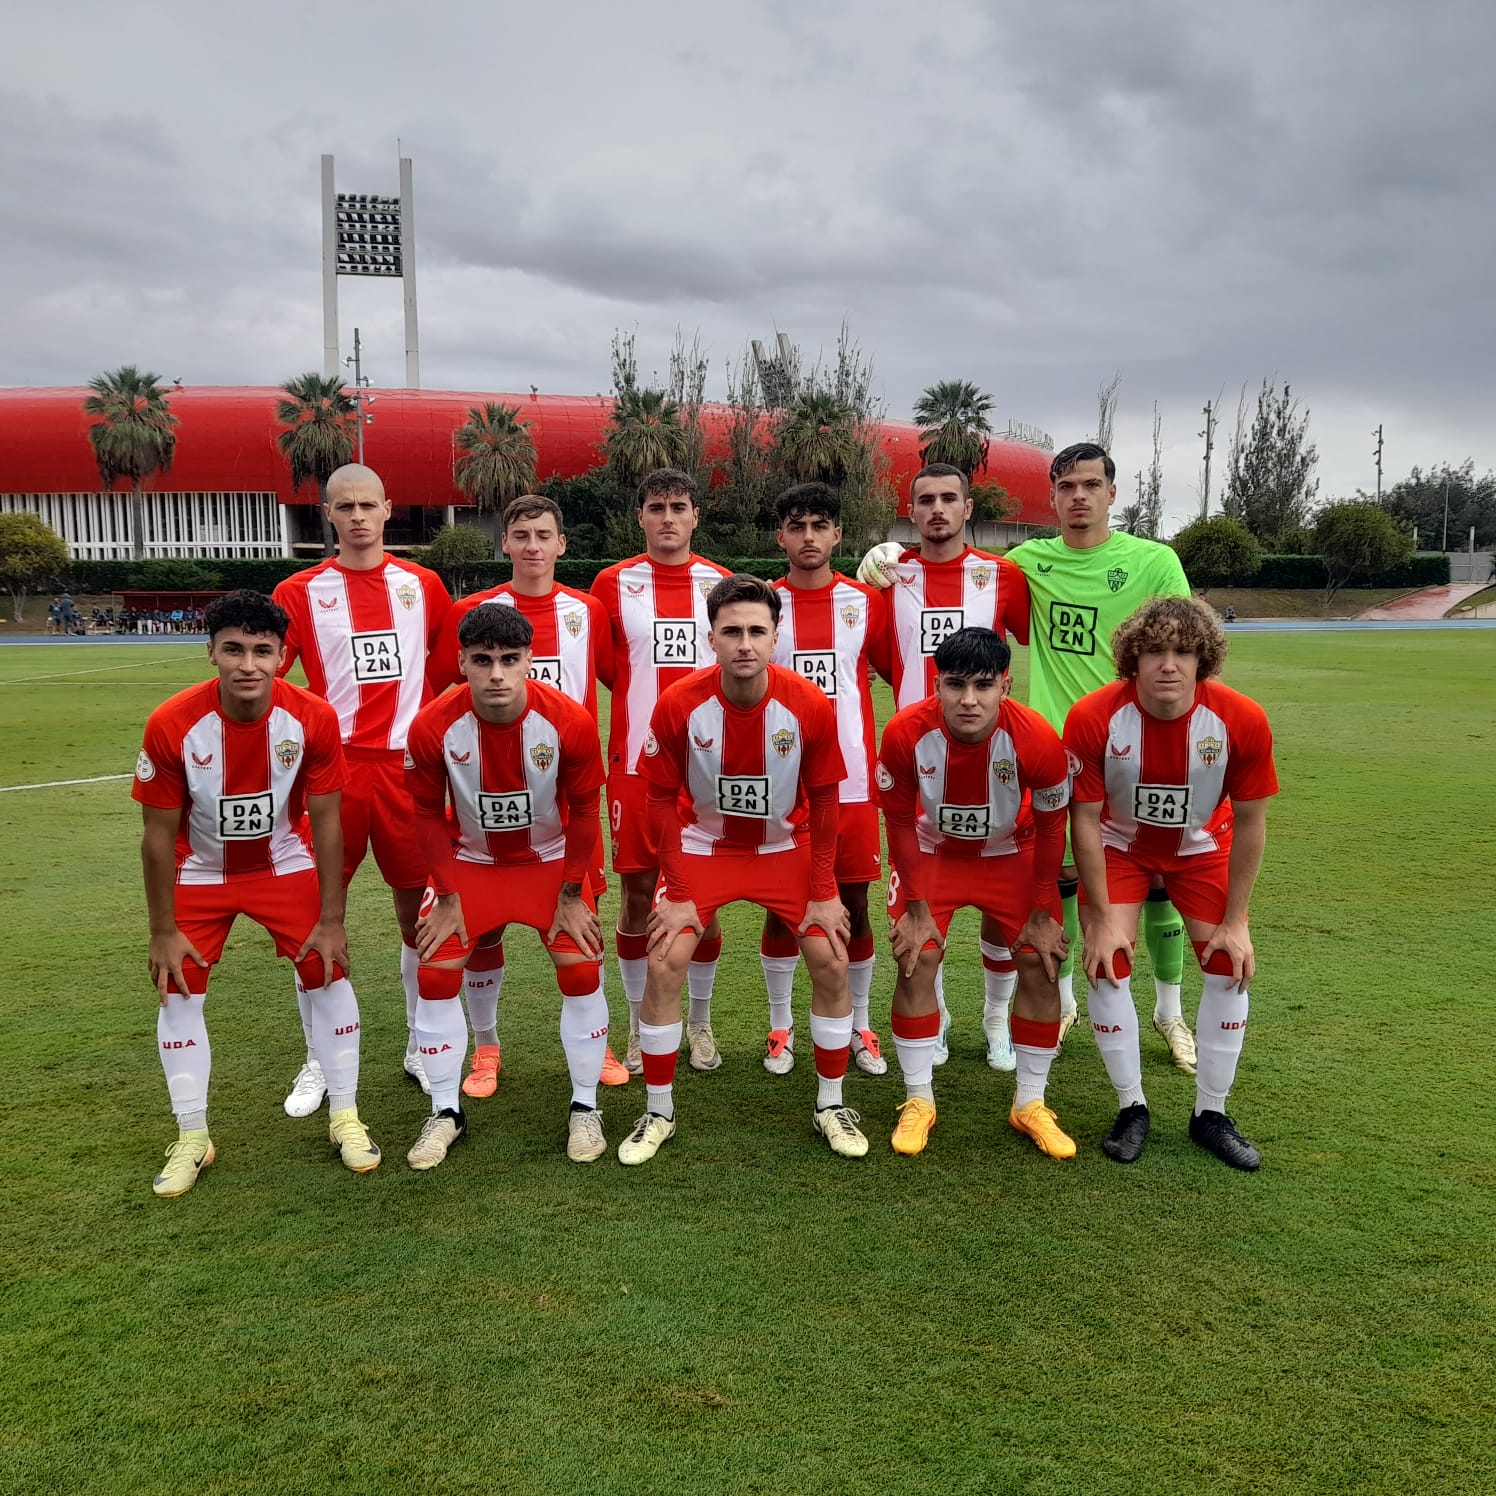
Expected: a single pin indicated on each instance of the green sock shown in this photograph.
(1070, 911)
(1163, 934)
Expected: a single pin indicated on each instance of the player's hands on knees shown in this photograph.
(1048, 939)
(666, 920)
(575, 919)
(442, 920)
(831, 916)
(912, 931)
(167, 955)
(1104, 938)
(329, 939)
(1232, 937)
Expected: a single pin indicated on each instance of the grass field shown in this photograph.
(748, 1313)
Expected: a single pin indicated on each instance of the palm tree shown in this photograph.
(134, 436)
(318, 416)
(495, 457)
(953, 420)
(817, 440)
(646, 433)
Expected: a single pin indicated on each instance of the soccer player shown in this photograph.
(521, 765)
(829, 629)
(361, 624)
(238, 781)
(952, 779)
(1082, 585)
(1174, 771)
(656, 604)
(743, 764)
(572, 650)
(931, 591)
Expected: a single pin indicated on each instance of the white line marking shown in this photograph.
(25, 680)
(54, 784)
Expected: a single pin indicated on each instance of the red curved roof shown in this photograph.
(226, 441)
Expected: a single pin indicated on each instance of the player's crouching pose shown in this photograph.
(239, 780)
(523, 770)
(952, 779)
(743, 764)
(1173, 771)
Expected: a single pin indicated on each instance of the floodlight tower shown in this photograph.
(365, 234)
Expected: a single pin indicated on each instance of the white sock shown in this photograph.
(1166, 1000)
(410, 965)
(1220, 1031)
(482, 989)
(305, 1009)
(633, 974)
(917, 1061)
(1067, 995)
(945, 1012)
(701, 976)
(442, 1032)
(860, 980)
(1114, 1021)
(834, 1034)
(779, 981)
(1033, 1073)
(335, 1030)
(584, 1037)
(660, 1038)
(998, 988)
(186, 1057)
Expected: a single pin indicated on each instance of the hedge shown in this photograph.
(1307, 572)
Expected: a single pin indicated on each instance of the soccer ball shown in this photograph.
(878, 566)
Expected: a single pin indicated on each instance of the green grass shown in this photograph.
(748, 1313)
(1300, 602)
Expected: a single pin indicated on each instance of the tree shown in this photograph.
(133, 436)
(1106, 411)
(1356, 539)
(954, 423)
(1270, 482)
(991, 503)
(494, 461)
(645, 432)
(1419, 501)
(1151, 487)
(1218, 551)
(454, 550)
(32, 555)
(815, 441)
(319, 436)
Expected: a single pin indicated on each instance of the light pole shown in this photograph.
(360, 399)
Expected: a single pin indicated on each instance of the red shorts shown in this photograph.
(776, 881)
(1196, 886)
(493, 897)
(377, 811)
(628, 820)
(859, 845)
(287, 905)
(1000, 887)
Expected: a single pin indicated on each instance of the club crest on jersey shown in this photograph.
(286, 753)
(327, 602)
(407, 595)
(783, 741)
(1209, 750)
(851, 615)
(1005, 770)
(1116, 579)
(543, 755)
(204, 762)
(702, 743)
(573, 622)
(705, 585)
(980, 576)
(459, 758)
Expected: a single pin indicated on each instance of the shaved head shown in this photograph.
(354, 475)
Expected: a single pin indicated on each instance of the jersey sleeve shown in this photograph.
(1015, 601)
(289, 597)
(602, 641)
(880, 632)
(1169, 579)
(441, 660)
(822, 763)
(326, 771)
(1043, 768)
(662, 758)
(1085, 743)
(582, 762)
(1250, 771)
(159, 780)
(438, 606)
(893, 775)
(425, 774)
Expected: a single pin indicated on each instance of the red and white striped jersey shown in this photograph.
(362, 637)
(742, 773)
(573, 644)
(932, 599)
(968, 799)
(658, 616)
(241, 786)
(828, 635)
(1165, 788)
(509, 785)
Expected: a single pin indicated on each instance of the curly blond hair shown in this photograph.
(1184, 622)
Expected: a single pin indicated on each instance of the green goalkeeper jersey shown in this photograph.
(1077, 599)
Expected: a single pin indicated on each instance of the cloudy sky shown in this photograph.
(1030, 195)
